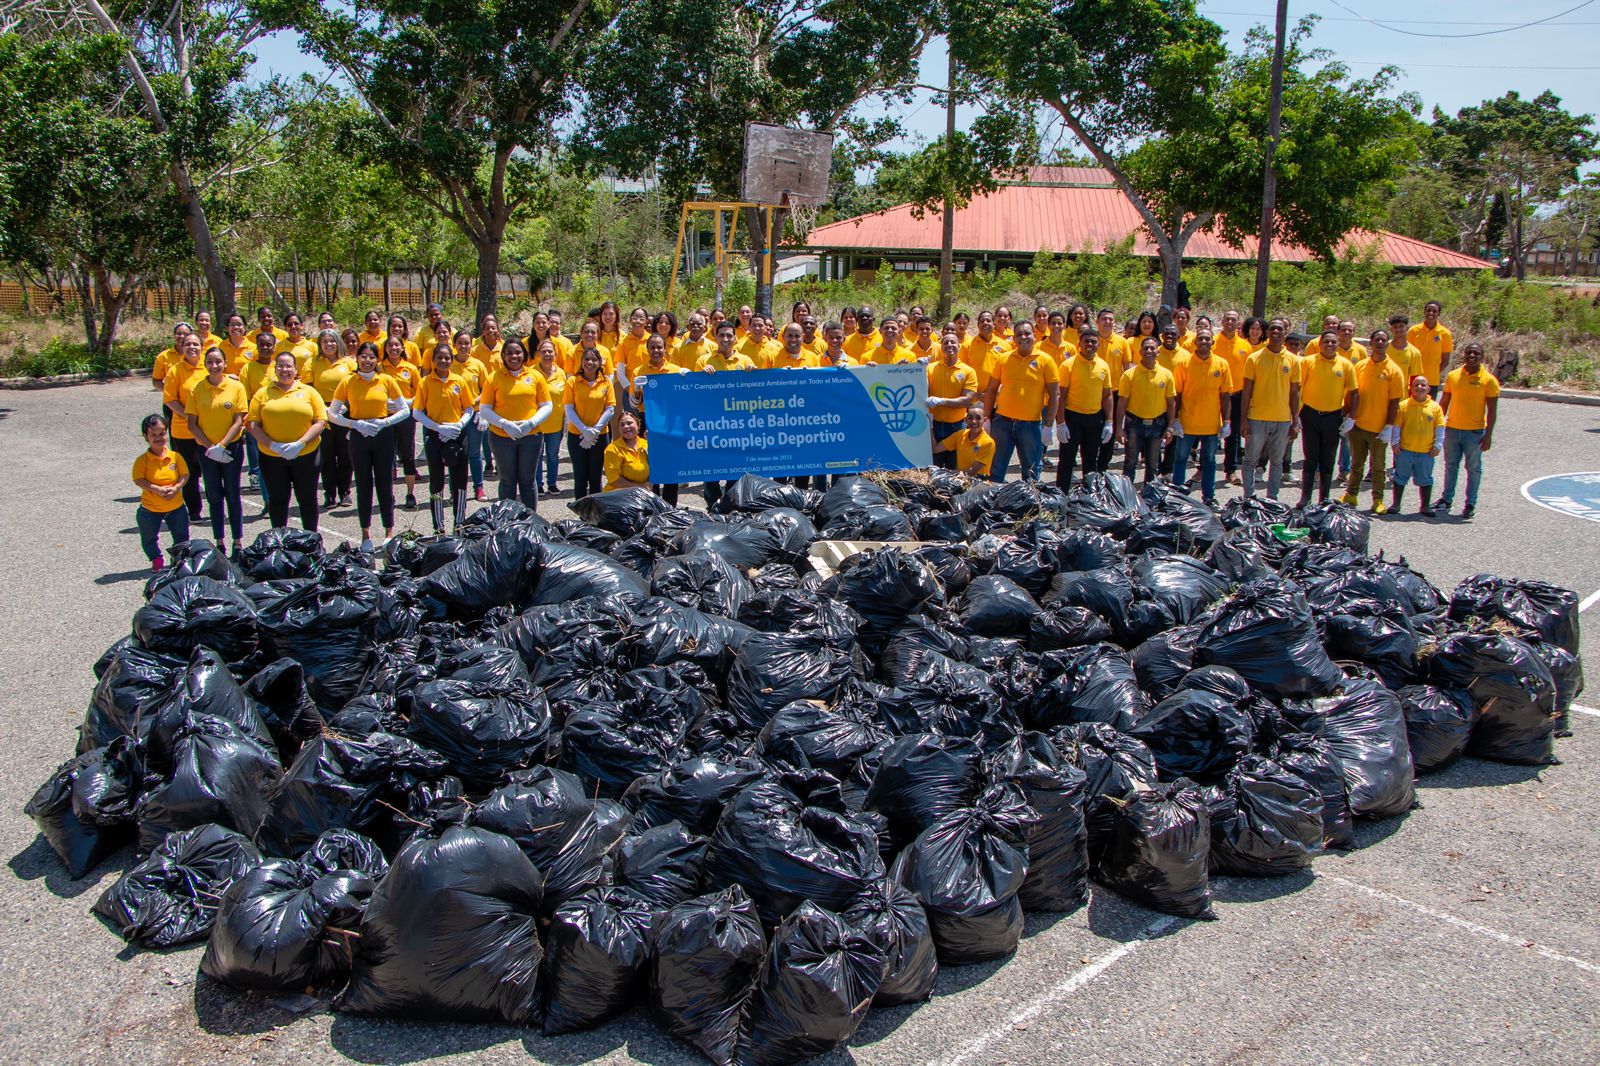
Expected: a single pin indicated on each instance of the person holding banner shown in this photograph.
(1019, 386)
(627, 459)
(833, 355)
(969, 449)
(591, 403)
(952, 388)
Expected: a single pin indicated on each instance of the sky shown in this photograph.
(1562, 55)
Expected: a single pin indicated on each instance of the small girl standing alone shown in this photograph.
(160, 473)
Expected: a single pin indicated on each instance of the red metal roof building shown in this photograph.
(1063, 209)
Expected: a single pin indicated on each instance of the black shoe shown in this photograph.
(344, 500)
(1468, 511)
(411, 501)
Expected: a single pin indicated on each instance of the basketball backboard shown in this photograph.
(780, 162)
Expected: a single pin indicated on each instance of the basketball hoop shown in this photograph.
(802, 216)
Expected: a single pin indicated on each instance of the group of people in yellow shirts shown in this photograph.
(1169, 388)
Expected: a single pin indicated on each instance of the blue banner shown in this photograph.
(786, 423)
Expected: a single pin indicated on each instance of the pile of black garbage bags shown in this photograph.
(540, 773)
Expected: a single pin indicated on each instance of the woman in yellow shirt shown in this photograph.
(589, 340)
(236, 346)
(591, 403)
(610, 325)
(368, 405)
(399, 327)
(161, 475)
(373, 334)
(477, 436)
(656, 362)
(446, 405)
(327, 370)
(515, 404)
(555, 380)
(180, 381)
(487, 348)
(629, 353)
(287, 419)
(158, 369)
(215, 413)
(627, 459)
(398, 365)
(202, 329)
(298, 343)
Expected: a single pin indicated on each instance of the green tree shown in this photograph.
(82, 187)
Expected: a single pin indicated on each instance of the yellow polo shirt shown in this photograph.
(1418, 423)
(1377, 384)
(1469, 397)
(1434, 344)
(214, 406)
(367, 399)
(858, 344)
(1022, 384)
(949, 383)
(1233, 350)
(1085, 380)
(1201, 385)
(165, 469)
(970, 449)
(284, 415)
(1273, 373)
(1147, 391)
(1324, 383)
(516, 397)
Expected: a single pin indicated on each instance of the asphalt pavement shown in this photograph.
(1463, 932)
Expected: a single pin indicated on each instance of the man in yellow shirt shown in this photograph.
(984, 349)
(1019, 387)
(1401, 352)
(1084, 404)
(696, 346)
(1147, 404)
(924, 347)
(833, 354)
(1314, 345)
(969, 449)
(1204, 383)
(1471, 403)
(1270, 403)
(725, 357)
(952, 388)
(1327, 397)
(1435, 342)
(1421, 424)
(1380, 386)
(811, 336)
(864, 339)
(1232, 346)
(792, 353)
(888, 349)
(756, 348)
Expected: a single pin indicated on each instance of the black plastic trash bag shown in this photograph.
(755, 494)
(549, 816)
(1094, 683)
(966, 870)
(132, 676)
(1337, 523)
(491, 665)
(596, 952)
(561, 641)
(890, 917)
(1163, 661)
(1108, 592)
(570, 572)
(1114, 765)
(1058, 843)
(738, 543)
(693, 792)
(1159, 849)
(610, 745)
(284, 703)
(329, 627)
(197, 612)
(705, 959)
(664, 633)
(790, 528)
(1548, 610)
(342, 782)
(205, 689)
(219, 775)
(772, 670)
(703, 581)
(783, 851)
(1203, 526)
(1365, 726)
(1266, 820)
(878, 522)
(483, 732)
(1313, 760)
(452, 933)
(1566, 669)
(1183, 585)
(1512, 688)
(1266, 634)
(1373, 632)
(285, 926)
(171, 897)
(809, 734)
(498, 570)
(663, 866)
(85, 809)
(922, 778)
(345, 849)
(885, 586)
(801, 610)
(1195, 734)
(196, 557)
(282, 553)
(622, 511)
(996, 606)
(815, 988)
(1238, 559)
(1438, 725)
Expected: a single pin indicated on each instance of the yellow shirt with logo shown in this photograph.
(365, 399)
(1434, 344)
(717, 361)
(1201, 385)
(556, 381)
(1407, 358)
(1147, 391)
(325, 376)
(627, 466)
(214, 406)
(237, 355)
(1272, 374)
(447, 399)
(1324, 383)
(589, 400)
(759, 353)
(1418, 423)
(970, 450)
(689, 352)
(1469, 397)
(981, 355)
(176, 387)
(1084, 381)
(1377, 384)
(405, 374)
(950, 383)
(1022, 381)
(285, 415)
(515, 397)
(166, 469)
(1114, 351)
(858, 344)
(1233, 350)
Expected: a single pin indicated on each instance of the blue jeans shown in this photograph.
(1024, 438)
(1462, 444)
(1182, 447)
(1344, 455)
(1143, 439)
(150, 523)
(552, 459)
(475, 450)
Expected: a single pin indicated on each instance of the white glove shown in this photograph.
(366, 427)
(448, 431)
(1105, 433)
(1391, 435)
(1346, 426)
(587, 439)
(1049, 434)
(1177, 428)
(1227, 431)
(218, 454)
(483, 423)
(288, 449)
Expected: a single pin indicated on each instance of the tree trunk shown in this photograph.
(91, 332)
(1171, 271)
(489, 269)
(388, 302)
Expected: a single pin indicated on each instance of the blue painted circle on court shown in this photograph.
(1577, 494)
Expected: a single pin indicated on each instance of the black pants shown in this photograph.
(191, 451)
(518, 462)
(588, 466)
(222, 492)
(1143, 440)
(299, 475)
(1230, 450)
(372, 462)
(714, 491)
(666, 492)
(335, 463)
(1080, 440)
(1319, 441)
(405, 447)
(446, 457)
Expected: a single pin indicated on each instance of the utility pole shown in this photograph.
(1269, 183)
(947, 240)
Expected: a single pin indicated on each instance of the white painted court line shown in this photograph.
(1585, 710)
(1059, 992)
(1462, 923)
(1594, 598)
